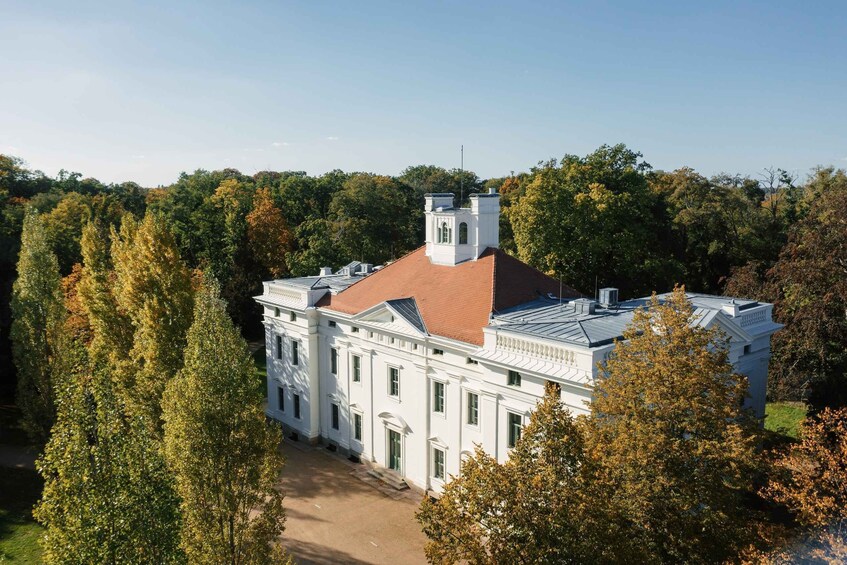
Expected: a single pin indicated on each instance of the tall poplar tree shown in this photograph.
(152, 288)
(223, 453)
(673, 449)
(108, 496)
(38, 314)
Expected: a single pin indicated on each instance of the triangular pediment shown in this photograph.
(727, 324)
(398, 316)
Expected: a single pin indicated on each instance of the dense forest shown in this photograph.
(605, 219)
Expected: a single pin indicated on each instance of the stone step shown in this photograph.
(388, 477)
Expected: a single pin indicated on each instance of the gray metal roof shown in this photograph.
(551, 319)
(335, 283)
(408, 308)
(710, 301)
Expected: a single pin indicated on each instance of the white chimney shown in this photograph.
(325, 271)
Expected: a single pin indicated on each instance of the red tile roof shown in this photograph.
(454, 301)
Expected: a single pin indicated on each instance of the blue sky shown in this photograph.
(142, 91)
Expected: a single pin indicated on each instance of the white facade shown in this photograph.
(376, 384)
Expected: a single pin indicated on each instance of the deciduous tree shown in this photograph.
(223, 454)
(108, 497)
(38, 313)
(153, 287)
(527, 510)
(268, 234)
(371, 218)
(593, 216)
(673, 451)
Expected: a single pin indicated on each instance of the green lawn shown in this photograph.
(784, 417)
(20, 489)
(261, 369)
(261, 363)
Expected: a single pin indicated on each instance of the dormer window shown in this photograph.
(463, 233)
(445, 234)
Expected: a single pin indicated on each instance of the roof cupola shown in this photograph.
(455, 235)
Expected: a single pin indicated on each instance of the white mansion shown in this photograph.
(409, 365)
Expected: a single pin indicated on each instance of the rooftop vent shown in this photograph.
(325, 272)
(366, 268)
(584, 306)
(608, 297)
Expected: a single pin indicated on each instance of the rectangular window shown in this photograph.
(293, 316)
(335, 416)
(333, 361)
(514, 428)
(357, 369)
(437, 463)
(394, 382)
(297, 406)
(438, 352)
(357, 427)
(295, 352)
(473, 409)
(279, 347)
(332, 323)
(280, 398)
(276, 312)
(514, 378)
(472, 361)
(438, 397)
(354, 329)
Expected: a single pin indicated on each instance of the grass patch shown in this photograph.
(261, 362)
(20, 489)
(784, 418)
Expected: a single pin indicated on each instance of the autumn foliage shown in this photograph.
(268, 234)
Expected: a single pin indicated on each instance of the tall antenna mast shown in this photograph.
(462, 176)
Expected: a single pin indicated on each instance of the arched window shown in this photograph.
(463, 233)
(445, 234)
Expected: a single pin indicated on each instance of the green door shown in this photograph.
(393, 450)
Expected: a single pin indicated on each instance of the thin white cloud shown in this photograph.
(333, 138)
(139, 156)
(280, 144)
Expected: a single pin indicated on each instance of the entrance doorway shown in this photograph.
(394, 451)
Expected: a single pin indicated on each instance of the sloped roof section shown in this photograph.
(452, 301)
(408, 308)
